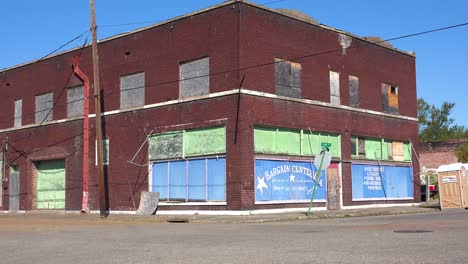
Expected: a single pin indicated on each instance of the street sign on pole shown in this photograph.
(321, 162)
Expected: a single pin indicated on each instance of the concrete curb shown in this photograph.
(314, 216)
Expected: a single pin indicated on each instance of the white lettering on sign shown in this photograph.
(449, 179)
(287, 169)
(372, 179)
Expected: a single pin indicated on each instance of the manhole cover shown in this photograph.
(412, 231)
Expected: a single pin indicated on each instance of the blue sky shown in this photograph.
(32, 29)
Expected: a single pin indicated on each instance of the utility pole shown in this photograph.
(97, 104)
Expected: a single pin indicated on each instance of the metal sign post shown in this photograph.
(322, 161)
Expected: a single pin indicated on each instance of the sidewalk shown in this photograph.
(60, 218)
(301, 216)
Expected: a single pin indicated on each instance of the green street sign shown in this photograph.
(326, 145)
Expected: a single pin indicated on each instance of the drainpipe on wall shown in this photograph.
(84, 78)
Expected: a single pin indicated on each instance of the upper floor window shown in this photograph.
(75, 101)
(288, 78)
(18, 112)
(194, 78)
(44, 105)
(354, 91)
(390, 98)
(132, 90)
(335, 88)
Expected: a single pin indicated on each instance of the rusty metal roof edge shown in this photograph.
(222, 4)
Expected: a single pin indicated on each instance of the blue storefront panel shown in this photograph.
(279, 180)
(374, 182)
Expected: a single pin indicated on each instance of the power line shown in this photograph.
(64, 45)
(56, 101)
(267, 63)
(299, 57)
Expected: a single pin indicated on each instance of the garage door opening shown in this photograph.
(50, 184)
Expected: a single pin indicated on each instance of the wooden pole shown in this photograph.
(97, 103)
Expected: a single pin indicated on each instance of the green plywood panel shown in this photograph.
(166, 146)
(387, 150)
(407, 153)
(373, 149)
(288, 141)
(51, 184)
(334, 140)
(265, 140)
(310, 144)
(205, 141)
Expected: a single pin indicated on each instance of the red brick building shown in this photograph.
(229, 105)
(436, 153)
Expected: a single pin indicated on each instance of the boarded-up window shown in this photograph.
(132, 90)
(354, 91)
(390, 98)
(187, 143)
(75, 101)
(407, 151)
(334, 88)
(44, 104)
(269, 140)
(18, 112)
(205, 141)
(373, 149)
(166, 146)
(288, 78)
(194, 78)
(398, 151)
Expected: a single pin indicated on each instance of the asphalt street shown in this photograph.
(440, 237)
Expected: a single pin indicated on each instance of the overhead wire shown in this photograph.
(265, 64)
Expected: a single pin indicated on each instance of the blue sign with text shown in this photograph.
(277, 180)
(374, 182)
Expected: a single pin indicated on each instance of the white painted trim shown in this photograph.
(220, 94)
(382, 199)
(192, 203)
(370, 206)
(324, 104)
(241, 213)
(290, 201)
(8, 212)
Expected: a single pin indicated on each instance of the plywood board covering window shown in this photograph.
(288, 78)
(194, 78)
(132, 90)
(18, 112)
(354, 91)
(335, 88)
(398, 151)
(75, 98)
(44, 104)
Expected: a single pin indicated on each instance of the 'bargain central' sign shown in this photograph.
(278, 180)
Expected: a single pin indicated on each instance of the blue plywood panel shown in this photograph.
(373, 182)
(217, 179)
(197, 179)
(160, 179)
(178, 180)
(287, 181)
